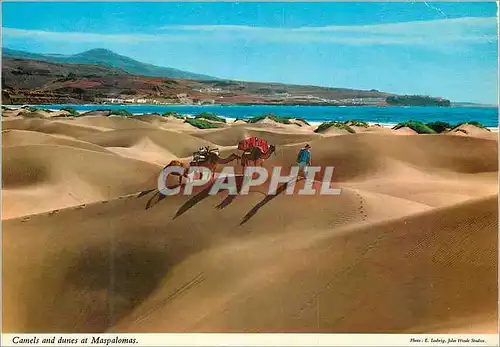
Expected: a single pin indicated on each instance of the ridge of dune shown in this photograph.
(37, 178)
(367, 155)
(54, 127)
(270, 125)
(165, 122)
(405, 131)
(172, 142)
(232, 135)
(114, 123)
(27, 137)
(473, 131)
(146, 150)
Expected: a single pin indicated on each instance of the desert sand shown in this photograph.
(410, 246)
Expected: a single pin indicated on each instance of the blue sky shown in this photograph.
(439, 49)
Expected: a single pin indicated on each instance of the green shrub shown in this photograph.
(123, 113)
(69, 77)
(210, 116)
(5, 108)
(71, 110)
(303, 120)
(35, 109)
(439, 127)
(417, 126)
(339, 125)
(282, 120)
(173, 114)
(357, 123)
(201, 123)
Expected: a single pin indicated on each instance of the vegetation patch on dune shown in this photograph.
(439, 127)
(434, 127)
(210, 116)
(417, 126)
(302, 120)
(201, 123)
(71, 110)
(339, 125)
(123, 113)
(271, 116)
(5, 108)
(474, 123)
(37, 109)
(173, 114)
(357, 123)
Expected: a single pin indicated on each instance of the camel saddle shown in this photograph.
(201, 155)
(248, 144)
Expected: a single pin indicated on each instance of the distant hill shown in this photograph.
(472, 104)
(417, 100)
(104, 57)
(30, 80)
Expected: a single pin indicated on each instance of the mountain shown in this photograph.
(34, 81)
(104, 57)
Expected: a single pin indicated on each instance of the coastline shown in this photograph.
(229, 120)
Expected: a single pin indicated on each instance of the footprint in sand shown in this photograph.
(51, 213)
(80, 207)
(25, 219)
(361, 207)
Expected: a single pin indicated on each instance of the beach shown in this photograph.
(409, 246)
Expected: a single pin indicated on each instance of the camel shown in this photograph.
(180, 164)
(255, 154)
(211, 159)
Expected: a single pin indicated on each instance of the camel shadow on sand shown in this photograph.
(203, 194)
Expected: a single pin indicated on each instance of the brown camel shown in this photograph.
(212, 159)
(256, 155)
(180, 164)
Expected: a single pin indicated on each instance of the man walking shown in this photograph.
(304, 160)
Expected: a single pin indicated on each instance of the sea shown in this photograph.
(488, 116)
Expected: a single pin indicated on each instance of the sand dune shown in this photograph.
(112, 122)
(338, 281)
(231, 136)
(169, 144)
(474, 131)
(280, 278)
(38, 178)
(12, 138)
(168, 122)
(405, 131)
(13, 112)
(292, 128)
(365, 156)
(409, 246)
(65, 128)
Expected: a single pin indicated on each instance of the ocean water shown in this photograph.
(488, 116)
